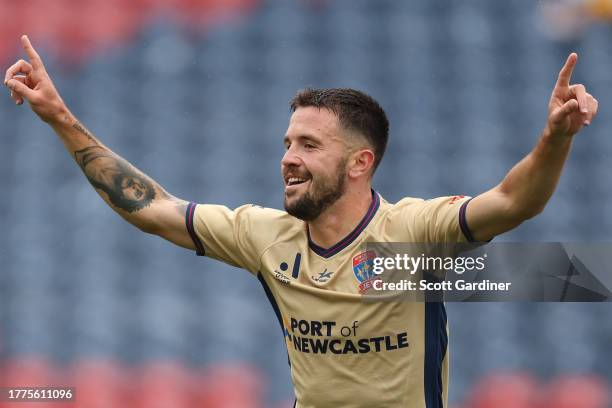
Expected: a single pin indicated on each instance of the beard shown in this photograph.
(325, 192)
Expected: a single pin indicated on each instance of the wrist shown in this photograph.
(551, 138)
(61, 118)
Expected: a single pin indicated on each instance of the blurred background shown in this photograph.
(195, 93)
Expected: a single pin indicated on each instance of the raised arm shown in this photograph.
(131, 193)
(528, 186)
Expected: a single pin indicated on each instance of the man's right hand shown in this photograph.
(131, 193)
(29, 81)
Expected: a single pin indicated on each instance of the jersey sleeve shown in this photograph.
(439, 220)
(226, 235)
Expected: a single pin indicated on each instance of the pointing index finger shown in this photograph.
(31, 52)
(566, 72)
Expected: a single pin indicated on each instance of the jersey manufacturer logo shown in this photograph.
(322, 276)
(284, 266)
(363, 267)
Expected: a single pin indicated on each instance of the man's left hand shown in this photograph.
(571, 107)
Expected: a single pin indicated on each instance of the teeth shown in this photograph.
(294, 180)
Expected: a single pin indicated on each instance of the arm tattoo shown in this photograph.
(127, 188)
(78, 126)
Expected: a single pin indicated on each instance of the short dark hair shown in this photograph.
(355, 111)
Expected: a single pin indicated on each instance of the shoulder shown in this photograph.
(418, 205)
(267, 224)
(422, 219)
(400, 207)
(406, 202)
(258, 214)
(240, 235)
(251, 214)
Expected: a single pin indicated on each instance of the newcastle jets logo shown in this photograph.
(322, 277)
(363, 267)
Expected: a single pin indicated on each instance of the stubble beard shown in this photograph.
(309, 206)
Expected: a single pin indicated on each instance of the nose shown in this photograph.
(290, 158)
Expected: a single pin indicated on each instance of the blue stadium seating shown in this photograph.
(465, 85)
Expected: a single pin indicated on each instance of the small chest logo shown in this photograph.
(363, 267)
(322, 277)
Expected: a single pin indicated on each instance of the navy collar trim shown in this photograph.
(346, 241)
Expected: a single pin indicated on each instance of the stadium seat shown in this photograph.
(231, 386)
(577, 392)
(100, 383)
(162, 384)
(504, 391)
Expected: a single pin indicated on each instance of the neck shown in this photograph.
(341, 218)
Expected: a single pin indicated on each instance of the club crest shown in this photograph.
(363, 268)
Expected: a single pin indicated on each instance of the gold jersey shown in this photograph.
(343, 351)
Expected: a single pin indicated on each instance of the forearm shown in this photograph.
(71, 132)
(524, 191)
(529, 184)
(127, 190)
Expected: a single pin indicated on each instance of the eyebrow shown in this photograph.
(303, 137)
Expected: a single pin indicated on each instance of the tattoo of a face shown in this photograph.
(126, 187)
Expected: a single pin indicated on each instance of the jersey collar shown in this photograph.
(346, 241)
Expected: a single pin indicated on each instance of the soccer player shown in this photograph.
(343, 352)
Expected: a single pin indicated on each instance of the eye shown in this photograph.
(309, 146)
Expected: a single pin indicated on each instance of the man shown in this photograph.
(343, 352)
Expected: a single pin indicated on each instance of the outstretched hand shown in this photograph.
(571, 107)
(29, 81)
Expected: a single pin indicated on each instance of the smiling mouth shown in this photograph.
(294, 181)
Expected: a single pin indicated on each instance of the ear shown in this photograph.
(361, 163)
